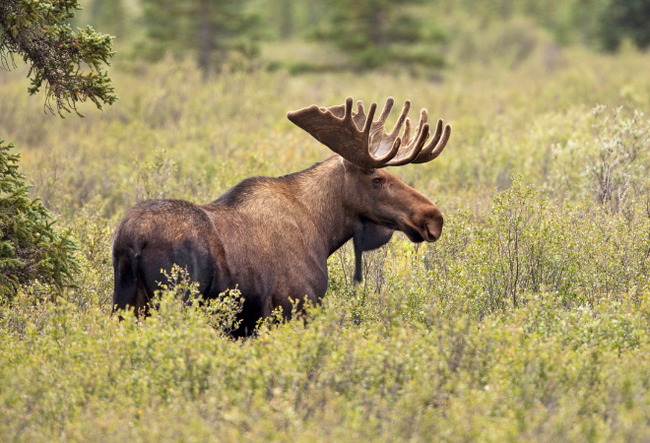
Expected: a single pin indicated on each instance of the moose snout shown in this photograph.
(425, 226)
(432, 225)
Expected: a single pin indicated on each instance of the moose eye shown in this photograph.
(376, 181)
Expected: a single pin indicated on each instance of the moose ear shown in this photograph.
(367, 236)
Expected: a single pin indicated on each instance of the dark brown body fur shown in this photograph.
(270, 237)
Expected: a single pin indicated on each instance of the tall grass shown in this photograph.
(528, 320)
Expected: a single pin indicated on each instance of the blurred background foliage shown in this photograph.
(364, 34)
(526, 321)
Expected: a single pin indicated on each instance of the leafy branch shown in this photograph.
(36, 30)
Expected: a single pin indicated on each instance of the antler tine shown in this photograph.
(367, 127)
(407, 132)
(379, 139)
(412, 147)
(402, 117)
(436, 145)
(424, 118)
(360, 116)
(388, 106)
(348, 109)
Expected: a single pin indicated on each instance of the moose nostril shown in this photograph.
(434, 231)
(434, 226)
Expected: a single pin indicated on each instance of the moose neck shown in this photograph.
(321, 189)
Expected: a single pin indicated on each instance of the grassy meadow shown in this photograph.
(527, 321)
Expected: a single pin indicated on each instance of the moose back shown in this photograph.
(271, 237)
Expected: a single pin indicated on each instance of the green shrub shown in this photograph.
(430, 346)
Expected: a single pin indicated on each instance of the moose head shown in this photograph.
(367, 147)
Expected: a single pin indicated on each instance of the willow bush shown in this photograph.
(526, 321)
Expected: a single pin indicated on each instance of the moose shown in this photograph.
(270, 237)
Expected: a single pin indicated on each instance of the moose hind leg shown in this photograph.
(125, 289)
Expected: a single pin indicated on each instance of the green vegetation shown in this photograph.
(375, 32)
(625, 19)
(362, 34)
(37, 32)
(213, 28)
(109, 16)
(526, 321)
(30, 249)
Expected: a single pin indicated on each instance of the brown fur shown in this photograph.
(270, 237)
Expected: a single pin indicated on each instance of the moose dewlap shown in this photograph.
(271, 236)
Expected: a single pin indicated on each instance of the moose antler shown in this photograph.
(356, 138)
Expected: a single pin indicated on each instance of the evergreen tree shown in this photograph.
(375, 32)
(286, 18)
(36, 30)
(625, 18)
(212, 28)
(30, 248)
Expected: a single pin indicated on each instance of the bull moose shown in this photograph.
(271, 237)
